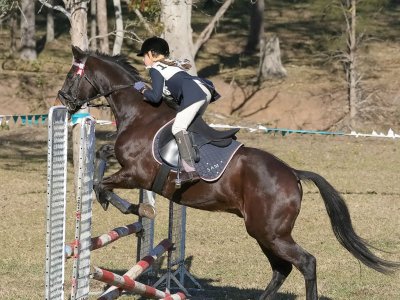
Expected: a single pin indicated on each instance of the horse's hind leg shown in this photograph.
(287, 250)
(271, 222)
(281, 270)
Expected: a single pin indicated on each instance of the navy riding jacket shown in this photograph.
(171, 79)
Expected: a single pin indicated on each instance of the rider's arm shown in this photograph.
(157, 82)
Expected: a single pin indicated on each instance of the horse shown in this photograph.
(256, 186)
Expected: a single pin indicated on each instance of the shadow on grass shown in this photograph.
(210, 291)
(18, 145)
(29, 145)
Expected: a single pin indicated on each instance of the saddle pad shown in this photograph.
(213, 159)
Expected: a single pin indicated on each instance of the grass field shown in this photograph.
(221, 256)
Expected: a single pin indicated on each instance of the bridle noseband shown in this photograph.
(71, 96)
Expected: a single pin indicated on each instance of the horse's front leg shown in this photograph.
(122, 179)
(102, 156)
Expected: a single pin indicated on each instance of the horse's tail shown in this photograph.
(342, 227)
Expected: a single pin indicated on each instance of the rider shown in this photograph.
(170, 76)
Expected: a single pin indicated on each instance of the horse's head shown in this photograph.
(94, 75)
(78, 87)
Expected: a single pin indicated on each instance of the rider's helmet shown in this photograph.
(155, 44)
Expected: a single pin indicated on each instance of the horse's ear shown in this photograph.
(77, 52)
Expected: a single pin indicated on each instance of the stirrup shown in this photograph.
(192, 176)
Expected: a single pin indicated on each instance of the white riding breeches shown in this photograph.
(186, 116)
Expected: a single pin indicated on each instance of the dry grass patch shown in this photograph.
(220, 254)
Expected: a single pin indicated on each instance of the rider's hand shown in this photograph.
(140, 86)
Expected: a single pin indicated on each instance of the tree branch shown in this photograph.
(265, 106)
(247, 97)
(144, 21)
(6, 9)
(116, 32)
(56, 7)
(206, 33)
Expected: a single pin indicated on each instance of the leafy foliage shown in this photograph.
(6, 7)
(150, 7)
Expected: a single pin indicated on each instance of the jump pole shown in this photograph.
(83, 224)
(126, 283)
(145, 242)
(141, 266)
(107, 238)
(56, 202)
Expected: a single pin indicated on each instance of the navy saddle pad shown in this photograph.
(214, 156)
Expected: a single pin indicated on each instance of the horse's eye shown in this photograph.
(70, 75)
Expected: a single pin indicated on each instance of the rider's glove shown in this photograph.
(140, 86)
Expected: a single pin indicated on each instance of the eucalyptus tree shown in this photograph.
(256, 28)
(28, 41)
(176, 17)
(102, 25)
(76, 11)
(355, 25)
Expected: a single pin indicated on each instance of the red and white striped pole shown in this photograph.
(125, 283)
(114, 292)
(177, 296)
(107, 238)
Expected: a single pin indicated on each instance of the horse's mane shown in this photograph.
(119, 59)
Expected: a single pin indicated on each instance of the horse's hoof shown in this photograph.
(104, 205)
(147, 211)
(106, 151)
(100, 197)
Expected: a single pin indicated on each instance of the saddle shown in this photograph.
(213, 150)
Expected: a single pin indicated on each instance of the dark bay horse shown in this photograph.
(256, 185)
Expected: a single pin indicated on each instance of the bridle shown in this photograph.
(71, 96)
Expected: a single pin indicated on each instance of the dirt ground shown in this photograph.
(224, 259)
(310, 97)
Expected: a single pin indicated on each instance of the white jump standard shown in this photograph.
(56, 249)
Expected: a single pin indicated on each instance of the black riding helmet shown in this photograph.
(155, 44)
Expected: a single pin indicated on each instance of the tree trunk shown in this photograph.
(79, 38)
(102, 25)
(50, 24)
(78, 24)
(256, 30)
(176, 17)
(270, 60)
(206, 33)
(28, 41)
(93, 26)
(13, 32)
(353, 77)
(119, 38)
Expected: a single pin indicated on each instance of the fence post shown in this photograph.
(56, 202)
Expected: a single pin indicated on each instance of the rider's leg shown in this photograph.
(185, 147)
(179, 130)
(186, 116)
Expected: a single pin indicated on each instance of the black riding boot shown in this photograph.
(187, 157)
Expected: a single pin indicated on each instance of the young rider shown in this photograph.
(170, 76)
